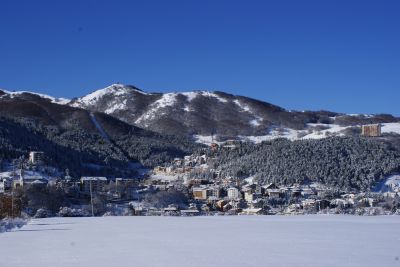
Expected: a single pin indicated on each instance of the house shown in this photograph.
(93, 184)
(199, 193)
(341, 203)
(249, 196)
(213, 192)
(36, 157)
(272, 190)
(34, 180)
(296, 192)
(372, 130)
(254, 188)
(275, 193)
(270, 186)
(206, 192)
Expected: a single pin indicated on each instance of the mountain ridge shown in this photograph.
(207, 113)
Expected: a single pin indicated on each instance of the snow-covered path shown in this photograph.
(205, 241)
(98, 127)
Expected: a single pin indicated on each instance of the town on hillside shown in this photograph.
(184, 187)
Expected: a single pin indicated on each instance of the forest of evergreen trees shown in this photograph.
(342, 162)
(85, 153)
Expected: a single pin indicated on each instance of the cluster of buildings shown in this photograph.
(211, 195)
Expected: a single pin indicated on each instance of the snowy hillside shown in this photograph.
(299, 241)
(56, 100)
(227, 116)
(310, 132)
(202, 114)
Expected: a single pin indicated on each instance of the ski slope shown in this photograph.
(205, 241)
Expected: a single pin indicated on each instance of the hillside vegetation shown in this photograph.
(346, 163)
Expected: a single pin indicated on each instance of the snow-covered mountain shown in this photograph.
(204, 113)
(10, 94)
(209, 115)
(79, 139)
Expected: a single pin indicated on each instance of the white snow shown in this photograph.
(166, 100)
(391, 127)
(210, 94)
(92, 98)
(205, 139)
(300, 241)
(242, 106)
(116, 105)
(291, 134)
(257, 121)
(57, 100)
(99, 128)
(190, 95)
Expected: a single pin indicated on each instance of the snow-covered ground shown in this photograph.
(204, 241)
(312, 132)
(98, 127)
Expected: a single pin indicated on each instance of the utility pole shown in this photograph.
(12, 201)
(91, 197)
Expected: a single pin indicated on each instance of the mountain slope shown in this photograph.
(71, 137)
(206, 113)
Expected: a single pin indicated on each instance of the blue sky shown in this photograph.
(337, 55)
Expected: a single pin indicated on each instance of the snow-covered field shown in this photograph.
(310, 133)
(205, 241)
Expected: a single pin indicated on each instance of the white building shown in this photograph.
(233, 193)
(36, 157)
(249, 196)
(96, 184)
(5, 184)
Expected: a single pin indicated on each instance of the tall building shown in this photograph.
(36, 157)
(233, 193)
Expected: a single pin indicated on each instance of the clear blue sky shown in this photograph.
(336, 55)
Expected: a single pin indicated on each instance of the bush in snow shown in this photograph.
(69, 212)
(42, 213)
(9, 223)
